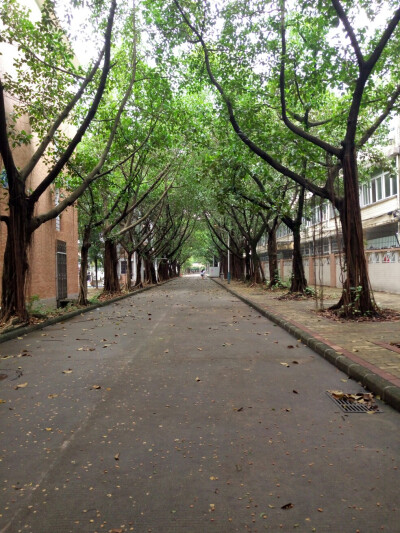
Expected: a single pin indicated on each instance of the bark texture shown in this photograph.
(15, 264)
(357, 298)
(86, 244)
(299, 281)
(111, 281)
(274, 278)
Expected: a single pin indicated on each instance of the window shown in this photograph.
(380, 187)
(123, 266)
(376, 189)
(390, 185)
(366, 195)
(319, 213)
(282, 230)
(56, 202)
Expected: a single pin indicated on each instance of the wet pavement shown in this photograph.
(181, 409)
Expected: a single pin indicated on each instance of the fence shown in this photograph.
(383, 267)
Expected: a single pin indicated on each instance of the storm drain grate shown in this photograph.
(354, 403)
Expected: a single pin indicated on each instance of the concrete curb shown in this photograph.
(24, 330)
(380, 386)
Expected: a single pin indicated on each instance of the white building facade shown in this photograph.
(321, 236)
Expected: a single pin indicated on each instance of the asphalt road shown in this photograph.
(182, 410)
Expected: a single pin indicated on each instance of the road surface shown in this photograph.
(182, 410)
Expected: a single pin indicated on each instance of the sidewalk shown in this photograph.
(363, 350)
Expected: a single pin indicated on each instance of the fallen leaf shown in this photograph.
(95, 387)
(295, 392)
(48, 429)
(52, 396)
(290, 346)
(200, 349)
(198, 379)
(320, 510)
(69, 371)
(287, 506)
(116, 456)
(285, 364)
(21, 386)
(2, 401)
(337, 394)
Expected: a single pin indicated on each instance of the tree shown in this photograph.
(349, 66)
(21, 220)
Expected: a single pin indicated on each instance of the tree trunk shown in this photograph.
(258, 272)
(153, 275)
(238, 268)
(138, 280)
(163, 270)
(82, 297)
(274, 278)
(147, 272)
(15, 263)
(357, 298)
(299, 281)
(247, 261)
(111, 281)
(96, 270)
(129, 271)
(173, 269)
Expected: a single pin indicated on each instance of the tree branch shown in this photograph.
(376, 54)
(370, 131)
(242, 136)
(350, 32)
(146, 215)
(50, 134)
(295, 129)
(54, 172)
(49, 65)
(5, 150)
(365, 72)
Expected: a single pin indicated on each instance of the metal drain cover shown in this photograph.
(354, 403)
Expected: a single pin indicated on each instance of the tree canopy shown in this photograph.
(195, 120)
